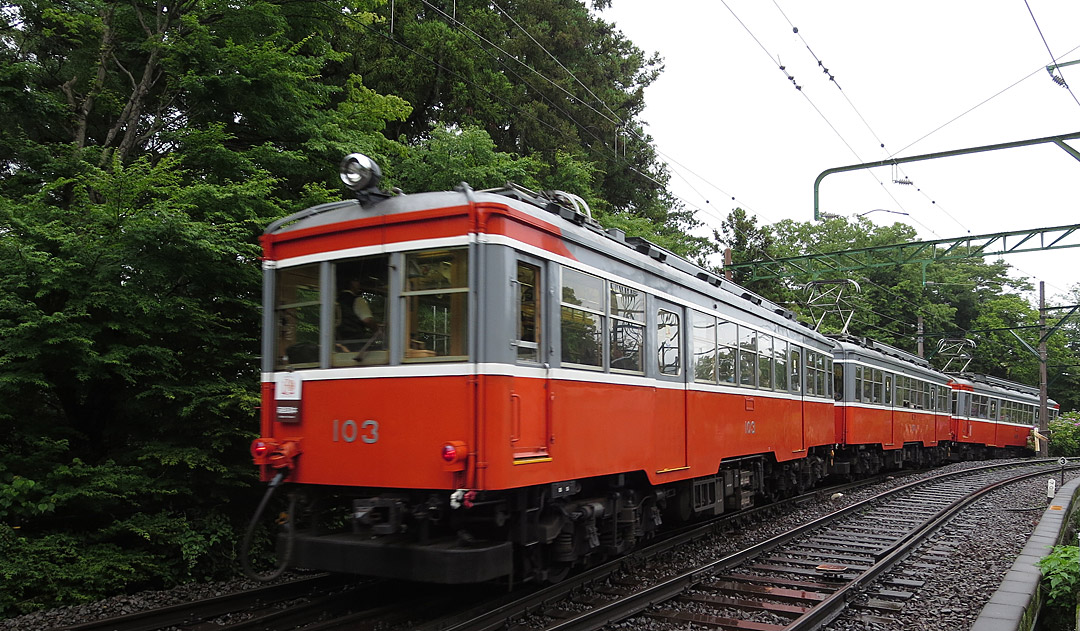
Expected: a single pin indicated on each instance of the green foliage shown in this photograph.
(964, 299)
(130, 212)
(551, 83)
(145, 148)
(150, 550)
(1061, 572)
(449, 157)
(1065, 435)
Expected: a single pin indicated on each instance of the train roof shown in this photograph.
(996, 383)
(566, 211)
(853, 344)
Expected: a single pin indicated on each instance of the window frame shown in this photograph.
(601, 313)
(467, 327)
(539, 292)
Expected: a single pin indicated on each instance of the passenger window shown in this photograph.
(747, 357)
(820, 376)
(667, 337)
(360, 332)
(780, 373)
(437, 305)
(528, 312)
(582, 315)
(765, 356)
(627, 307)
(727, 341)
(811, 380)
(297, 311)
(704, 348)
(878, 397)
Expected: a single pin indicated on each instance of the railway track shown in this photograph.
(245, 606)
(322, 601)
(796, 580)
(800, 579)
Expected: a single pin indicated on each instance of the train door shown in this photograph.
(669, 434)
(890, 410)
(530, 396)
(796, 386)
(964, 415)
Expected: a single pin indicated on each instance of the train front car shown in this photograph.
(370, 384)
(994, 416)
(463, 386)
(892, 408)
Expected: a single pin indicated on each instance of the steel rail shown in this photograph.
(497, 617)
(829, 609)
(631, 605)
(203, 609)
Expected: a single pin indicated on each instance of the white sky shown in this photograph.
(723, 110)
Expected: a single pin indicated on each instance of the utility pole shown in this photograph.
(920, 332)
(1044, 412)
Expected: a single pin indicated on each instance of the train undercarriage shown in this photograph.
(541, 533)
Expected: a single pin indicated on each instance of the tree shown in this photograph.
(748, 242)
(546, 80)
(145, 148)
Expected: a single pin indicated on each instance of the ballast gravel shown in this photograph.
(962, 566)
(985, 541)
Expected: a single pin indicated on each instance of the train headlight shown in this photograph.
(359, 172)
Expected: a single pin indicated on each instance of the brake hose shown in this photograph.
(290, 529)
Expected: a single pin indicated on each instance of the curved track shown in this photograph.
(797, 580)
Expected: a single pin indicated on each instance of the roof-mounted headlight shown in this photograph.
(359, 172)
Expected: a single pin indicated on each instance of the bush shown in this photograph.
(1061, 578)
(1065, 435)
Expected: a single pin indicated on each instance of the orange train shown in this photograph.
(470, 385)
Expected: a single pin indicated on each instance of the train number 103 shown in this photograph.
(350, 430)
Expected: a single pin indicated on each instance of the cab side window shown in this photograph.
(627, 337)
(529, 291)
(727, 342)
(704, 347)
(297, 311)
(748, 358)
(796, 369)
(668, 340)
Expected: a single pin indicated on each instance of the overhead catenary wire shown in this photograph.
(556, 60)
(851, 104)
(1053, 60)
(821, 114)
(971, 109)
(614, 121)
(914, 219)
(648, 177)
